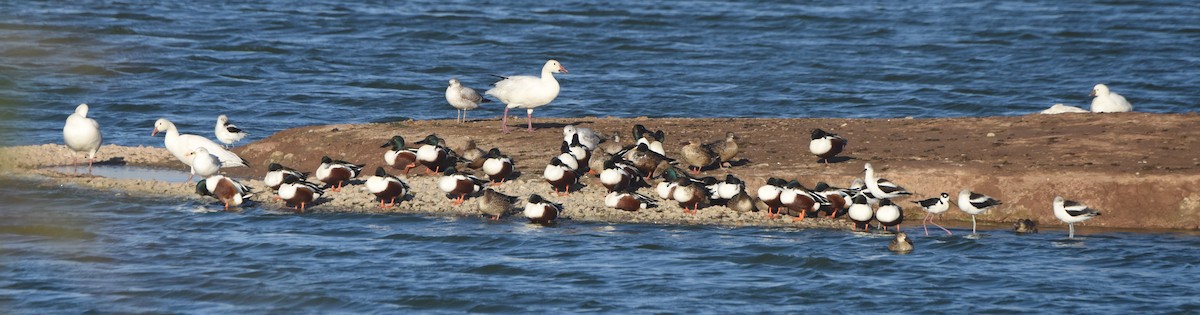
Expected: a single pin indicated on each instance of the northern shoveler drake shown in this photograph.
(690, 196)
(495, 204)
(82, 134)
(568, 159)
(619, 175)
(769, 195)
(653, 140)
(560, 176)
(527, 92)
(587, 136)
(228, 191)
(386, 188)
(882, 188)
(276, 172)
(298, 192)
(434, 154)
(889, 214)
(697, 156)
(826, 145)
(227, 132)
(932, 206)
(399, 157)
(628, 201)
(541, 211)
(974, 204)
(860, 212)
(181, 144)
(726, 189)
(336, 173)
(1072, 212)
(901, 244)
(459, 185)
(838, 199)
(726, 149)
(799, 200)
(581, 152)
(463, 99)
(497, 166)
(204, 164)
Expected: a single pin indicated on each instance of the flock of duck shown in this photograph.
(622, 170)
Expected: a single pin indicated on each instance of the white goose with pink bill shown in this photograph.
(527, 92)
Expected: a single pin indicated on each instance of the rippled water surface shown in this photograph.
(68, 251)
(271, 65)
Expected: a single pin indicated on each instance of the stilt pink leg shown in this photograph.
(939, 226)
(926, 219)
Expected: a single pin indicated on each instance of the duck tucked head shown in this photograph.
(326, 160)
(493, 153)
(534, 198)
(818, 134)
(274, 167)
(380, 172)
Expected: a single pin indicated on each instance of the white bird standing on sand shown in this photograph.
(974, 204)
(1108, 102)
(180, 145)
(1071, 212)
(527, 92)
(881, 188)
(204, 164)
(226, 132)
(463, 98)
(82, 134)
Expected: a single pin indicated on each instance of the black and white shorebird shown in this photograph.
(826, 145)
(1071, 212)
(932, 206)
(860, 212)
(881, 187)
(227, 132)
(386, 188)
(974, 204)
(889, 214)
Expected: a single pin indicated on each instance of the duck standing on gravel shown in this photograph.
(697, 156)
(299, 192)
(337, 173)
(386, 188)
(560, 176)
(459, 185)
(495, 204)
(726, 149)
(628, 201)
(399, 157)
(434, 154)
(497, 166)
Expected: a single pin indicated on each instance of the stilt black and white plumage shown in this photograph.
(974, 204)
(934, 206)
(1072, 212)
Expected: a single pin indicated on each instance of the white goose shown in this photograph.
(180, 145)
(1108, 102)
(82, 134)
(527, 92)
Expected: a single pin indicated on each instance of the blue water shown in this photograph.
(64, 250)
(272, 65)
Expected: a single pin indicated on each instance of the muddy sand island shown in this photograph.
(1141, 170)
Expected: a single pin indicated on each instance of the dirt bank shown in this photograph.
(1140, 169)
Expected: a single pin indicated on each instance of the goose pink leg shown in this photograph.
(529, 116)
(504, 121)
